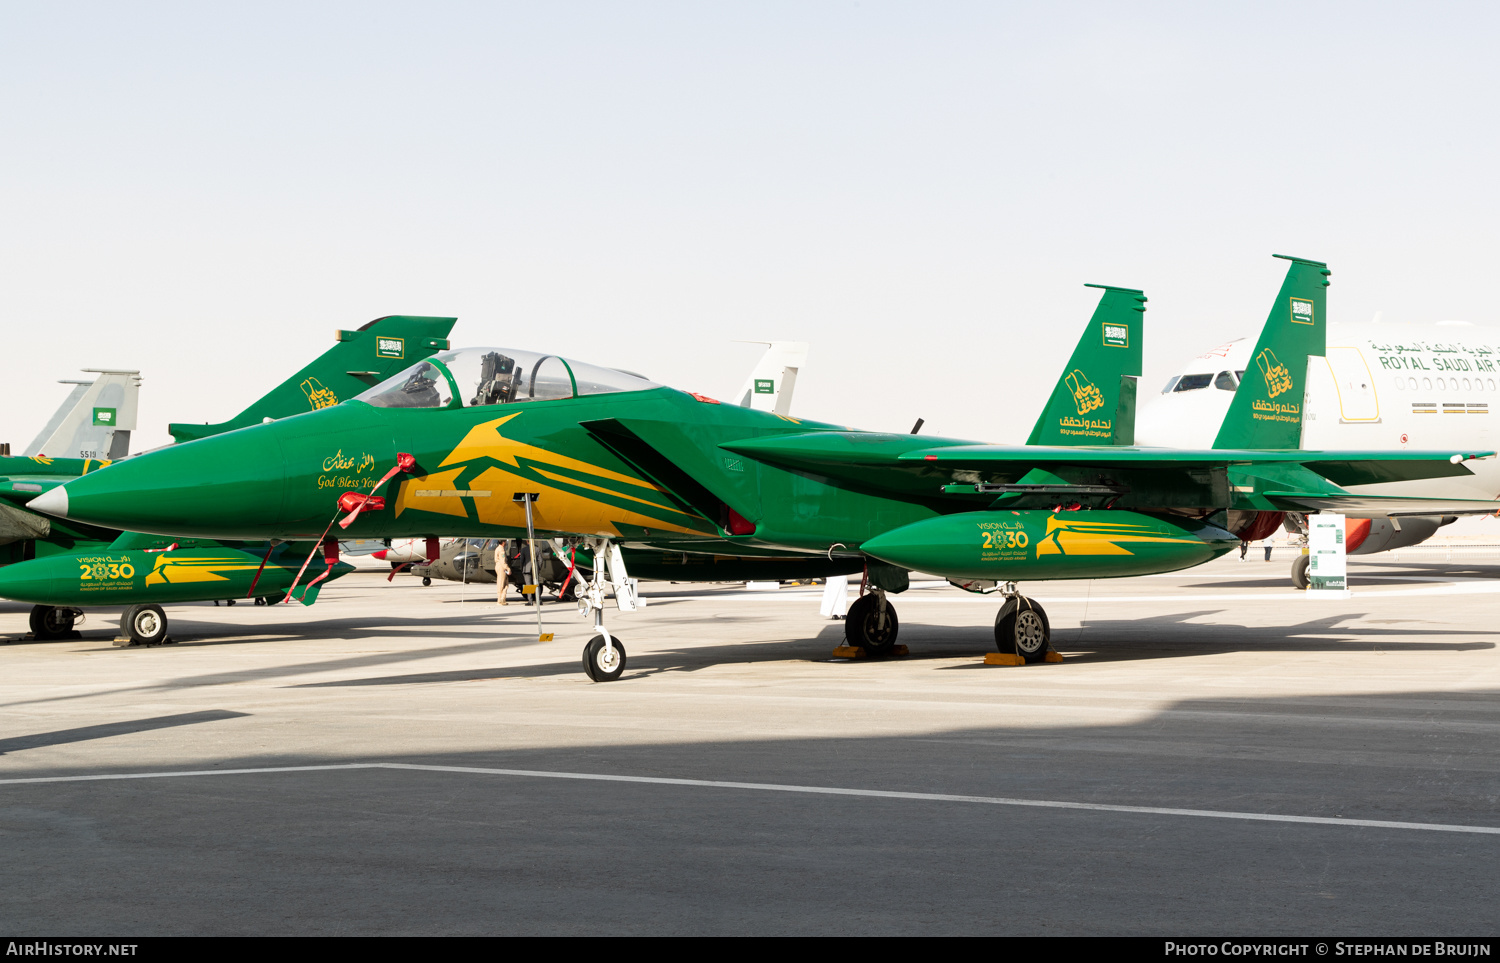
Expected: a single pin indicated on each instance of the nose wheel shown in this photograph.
(604, 663)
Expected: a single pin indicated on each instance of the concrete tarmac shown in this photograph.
(1121, 792)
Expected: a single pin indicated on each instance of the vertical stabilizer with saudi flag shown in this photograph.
(1094, 401)
(358, 360)
(1267, 408)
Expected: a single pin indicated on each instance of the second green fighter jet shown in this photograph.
(65, 567)
(495, 442)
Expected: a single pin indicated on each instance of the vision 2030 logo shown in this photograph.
(1302, 311)
(1116, 335)
(390, 347)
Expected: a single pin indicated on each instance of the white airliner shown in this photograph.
(1379, 386)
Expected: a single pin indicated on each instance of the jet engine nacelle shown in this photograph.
(1384, 536)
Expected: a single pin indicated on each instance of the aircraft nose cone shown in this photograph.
(277, 480)
(191, 489)
(53, 502)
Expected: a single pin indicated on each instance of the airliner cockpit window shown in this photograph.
(1193, 382)
(423, 385)
(503, 376)
(1171, 383)
(1226, 381)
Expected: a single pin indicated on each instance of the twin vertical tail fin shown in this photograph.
(95, 420)
(774, 378)
(1094, 402)
(360, 360)
(1267, 408)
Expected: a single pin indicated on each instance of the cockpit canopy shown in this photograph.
(471, 377)
(1225, 381)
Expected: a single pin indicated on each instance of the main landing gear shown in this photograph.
(52, 622)
(144, 624)
(1021, 628)
(871, 624)
(1300, 565)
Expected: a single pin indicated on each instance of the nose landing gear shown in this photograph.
(604, 656)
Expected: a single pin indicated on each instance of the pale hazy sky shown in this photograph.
(920, 190)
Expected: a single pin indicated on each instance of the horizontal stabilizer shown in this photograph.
(158, 543)
(825, 450)
(917, 469)
(1380, 506)
(1341, 467)
(19, 491)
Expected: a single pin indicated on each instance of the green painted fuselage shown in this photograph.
(664, 470)
(657, 468)
(117, 574)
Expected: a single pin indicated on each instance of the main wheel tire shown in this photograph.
(595, 664)
(426, 580)
(145, 624)
(863, 628)
(1022, 628)
(1299, 571)
(50, 622)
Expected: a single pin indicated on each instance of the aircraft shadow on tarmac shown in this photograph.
(1175, 636)
(482, 634)
(1095, 641)
(104, 731)
(1159, 637)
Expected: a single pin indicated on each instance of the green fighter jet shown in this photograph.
(504, 443)
(62, 566)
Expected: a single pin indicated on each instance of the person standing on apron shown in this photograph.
(502, 571)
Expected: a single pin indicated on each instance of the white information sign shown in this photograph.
(1327, 572)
